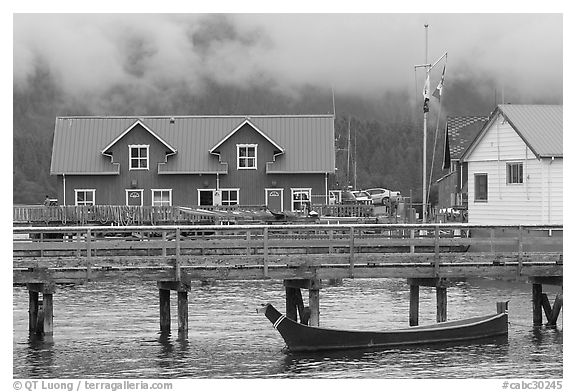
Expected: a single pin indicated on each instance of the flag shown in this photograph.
(438, 92)
(426, 92)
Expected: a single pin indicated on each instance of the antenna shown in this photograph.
(333, 102)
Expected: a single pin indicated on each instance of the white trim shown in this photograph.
(280, 319)
(84, 190)
(246, 121)
(137, 190)
(138, 122)
(521, 179)
(161, 190)
(64, 189)
(130, 147)
(246, 145)
(476, 200)
(292, 190)
(204, 189)
(229, 189)
(281, 196)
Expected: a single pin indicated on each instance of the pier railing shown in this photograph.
(263, 242)
(153, 215)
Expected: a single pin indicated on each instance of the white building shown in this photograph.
(515, 167)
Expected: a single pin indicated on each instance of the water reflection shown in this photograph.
(40, 355)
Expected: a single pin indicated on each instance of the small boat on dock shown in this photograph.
(300, 337)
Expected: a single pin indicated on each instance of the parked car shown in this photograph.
(362, 197)
(382, 195)
(348, 198)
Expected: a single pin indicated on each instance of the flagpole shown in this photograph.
(425, 125)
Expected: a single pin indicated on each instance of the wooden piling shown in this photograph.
(441, 304)
(164, 296)
(183, 313)
(414, 304)
(291, 303)
(556, 310)
(501, 307)
(314, 303)
(537, 304)
(48, 307)
(32, 312)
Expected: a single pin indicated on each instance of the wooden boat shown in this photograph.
(300, 337)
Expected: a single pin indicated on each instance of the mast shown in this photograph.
(355, 160)
(426, 94)
(348, 149)
(425, 125)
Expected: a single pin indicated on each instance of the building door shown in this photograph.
(134, 197)
(206, 197)
(275, 199)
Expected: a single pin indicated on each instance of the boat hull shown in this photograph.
(299, 337)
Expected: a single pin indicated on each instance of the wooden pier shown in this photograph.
(301, 256)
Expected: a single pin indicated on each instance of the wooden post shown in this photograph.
(314, 303)
(414, 303)
(42, 242)
(265, 234)
(291, 306)
(164, 296)
(537, 304)
(492, 234)
(164, 243)
(546, 307)
(501, 307)
(521, 253)
(177, 262)
(412, 247)
(436, 250)
(441, 304)
(556, 309)
(300, 306)
(48, 306)
(32, 311)
(248, 248)
(88, 253)
(183, 313)
(351, 251)
(330, 241)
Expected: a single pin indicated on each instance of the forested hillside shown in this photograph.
(386, 131)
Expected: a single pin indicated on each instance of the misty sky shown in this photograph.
(355, 53)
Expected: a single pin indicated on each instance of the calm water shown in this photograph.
(107, 330)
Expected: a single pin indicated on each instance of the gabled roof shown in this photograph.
(460, 131)
(539, 126)
(246, 121)
(137, 122)
(308, 142)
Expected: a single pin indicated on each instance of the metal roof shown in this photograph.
(540, 126)
(308, 141)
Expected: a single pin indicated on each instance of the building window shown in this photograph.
(514, 173)
(480, 187)
(247, 156)
(85, 197)
(161, 197)
(229, 197)
(139, 156)
(301, 199)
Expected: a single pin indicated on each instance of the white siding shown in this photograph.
(500, 142)
(538, 200)
(555, 193)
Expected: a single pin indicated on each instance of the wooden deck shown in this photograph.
(316, 251)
